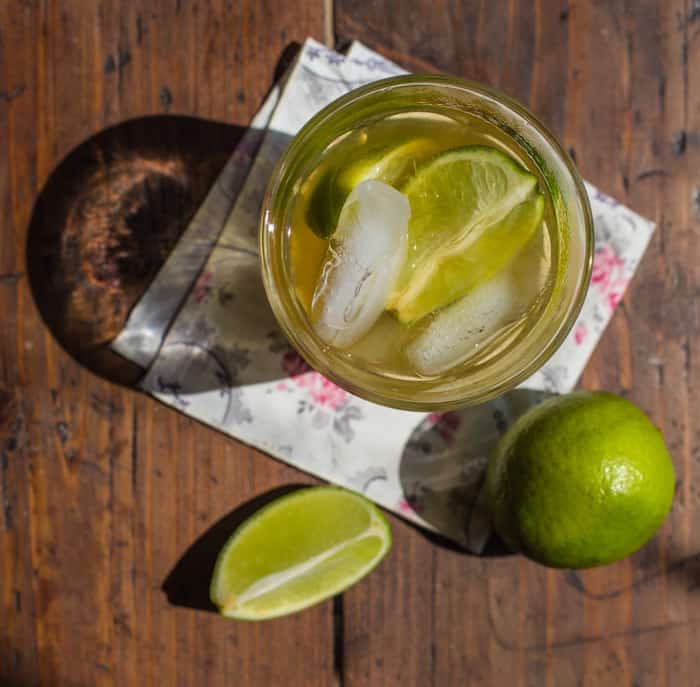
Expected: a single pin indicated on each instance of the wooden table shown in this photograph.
(103, 489)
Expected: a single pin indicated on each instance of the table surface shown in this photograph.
(103, 490)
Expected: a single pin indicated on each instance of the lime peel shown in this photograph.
(331, 190)
(457, 198)
(279, 579)
(581, 480)
(312, 518)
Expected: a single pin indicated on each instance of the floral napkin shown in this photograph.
(224, 361)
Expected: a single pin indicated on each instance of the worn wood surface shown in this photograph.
(619, 83)
(103, 490)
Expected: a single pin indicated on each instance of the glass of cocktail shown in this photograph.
(426, 243)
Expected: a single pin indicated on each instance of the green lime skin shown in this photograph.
(297, 551)
(579, 481)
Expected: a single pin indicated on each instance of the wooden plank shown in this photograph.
(617, 82)
(98, 484)
(389, 634)
(102, 489)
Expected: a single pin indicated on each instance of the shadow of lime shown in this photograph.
(443, 466)
(187, 585)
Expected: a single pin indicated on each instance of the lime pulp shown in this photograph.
(299, 550)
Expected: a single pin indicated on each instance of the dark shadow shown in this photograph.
(19, 680)
(112, 212)
(493, 548)
(107, 218)
(187, 584)
(286, 60)
(648, 567)
(225, 334)
(443, 464)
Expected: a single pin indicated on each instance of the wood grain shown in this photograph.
(102, 489)
(618, 83)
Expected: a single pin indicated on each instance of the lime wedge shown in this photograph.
(297, 551)
(459, 274)
(472, 210)
(390, 165)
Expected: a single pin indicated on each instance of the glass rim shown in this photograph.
(321, 362)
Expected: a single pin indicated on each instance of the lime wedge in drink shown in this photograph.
(472, 210)
(299, 550)
(392, 166)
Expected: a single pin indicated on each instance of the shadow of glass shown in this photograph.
(225, 334)
(187, 585)
(443, 464)
(108, 216)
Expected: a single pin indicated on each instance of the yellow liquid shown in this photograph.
(533, 269)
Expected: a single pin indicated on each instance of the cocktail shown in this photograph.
(426, 243)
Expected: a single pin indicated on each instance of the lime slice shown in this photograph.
(390, 165)
(297, 551)
(459, 274)
(472, 210)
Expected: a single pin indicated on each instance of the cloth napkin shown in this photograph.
(221, 358)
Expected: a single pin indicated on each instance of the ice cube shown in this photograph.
(363, 261)
(458, 331)
(530, 271)
(385, 341)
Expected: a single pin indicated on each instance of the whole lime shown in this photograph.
(580, 480)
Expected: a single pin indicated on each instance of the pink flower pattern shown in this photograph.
(201, 288)
(294, 365)
(446, 425)
(404, 507)
(322, 391)
(615, 296)
(580, 333)
(608, 275)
